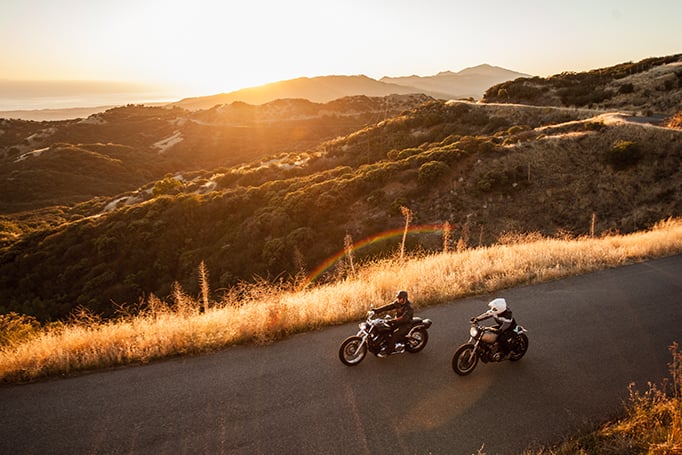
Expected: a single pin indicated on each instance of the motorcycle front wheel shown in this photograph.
(520, 347)
(465, 359)
(352, 351)
(417, 340)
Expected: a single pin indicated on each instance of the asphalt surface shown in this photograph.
(590, 336)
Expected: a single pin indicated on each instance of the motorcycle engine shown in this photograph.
(491, 352)
(496, 353)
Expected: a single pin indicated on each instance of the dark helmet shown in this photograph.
(401, 294)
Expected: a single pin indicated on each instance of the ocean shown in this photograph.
(38, 95)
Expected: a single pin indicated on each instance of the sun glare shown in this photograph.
(213, 50)
(212, 46)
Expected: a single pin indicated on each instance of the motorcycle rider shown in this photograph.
(504, 319)
(400, 325)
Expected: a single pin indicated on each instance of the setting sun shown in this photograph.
(209, 46)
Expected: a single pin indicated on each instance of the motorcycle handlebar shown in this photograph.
(481, 316)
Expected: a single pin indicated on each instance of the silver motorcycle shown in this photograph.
(483, 344)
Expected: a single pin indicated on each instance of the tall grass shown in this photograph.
(264, 312)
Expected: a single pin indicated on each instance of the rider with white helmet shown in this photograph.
(504, 319)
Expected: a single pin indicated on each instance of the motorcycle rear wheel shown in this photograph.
(465, 359)
(520, 347)
(352, 351)
(417, 341)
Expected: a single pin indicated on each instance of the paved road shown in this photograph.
(590, 336)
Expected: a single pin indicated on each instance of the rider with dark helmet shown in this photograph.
(400, 325)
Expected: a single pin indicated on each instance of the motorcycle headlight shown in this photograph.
(473, 331)
(363, 326)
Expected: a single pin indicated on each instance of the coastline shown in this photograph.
(53, 114)
(66, 113)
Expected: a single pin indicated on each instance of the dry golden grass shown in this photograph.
(263, 313)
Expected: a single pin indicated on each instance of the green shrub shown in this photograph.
(583, 95)
(626, 88)
(594, 126)
(432, 171)
(485, 183)
(168, 185)
(406, 153)
(623, 154)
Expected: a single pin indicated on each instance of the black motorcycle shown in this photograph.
(373, 337)
(483, 344)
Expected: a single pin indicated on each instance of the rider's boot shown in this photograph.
(384, 351)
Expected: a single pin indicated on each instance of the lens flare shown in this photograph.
(329, 262)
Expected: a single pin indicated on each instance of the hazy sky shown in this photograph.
(211, 46)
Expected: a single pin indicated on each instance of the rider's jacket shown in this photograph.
(403, 313)
(505, 321)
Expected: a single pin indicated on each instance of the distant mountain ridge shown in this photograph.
(468, 83)
(321, 89)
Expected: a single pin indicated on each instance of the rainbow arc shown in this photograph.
(380, 237)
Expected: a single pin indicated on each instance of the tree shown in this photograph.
(168, 185)
(273, 253)
(623, 154)
(432, 171)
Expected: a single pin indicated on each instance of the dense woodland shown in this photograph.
(99, 212)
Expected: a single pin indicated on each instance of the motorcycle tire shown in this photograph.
(352, 351)
(465, 359)
(520, 347)
(417, 341)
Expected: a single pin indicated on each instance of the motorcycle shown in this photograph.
(483, 345)
(373, 337)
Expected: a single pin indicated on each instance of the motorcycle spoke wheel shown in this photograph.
(465, 359)
(520, 346)
(417, 341)
(352, 351)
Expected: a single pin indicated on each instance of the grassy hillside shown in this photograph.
(476, 170)
(652, 86)
(43, 164)
(281, 218)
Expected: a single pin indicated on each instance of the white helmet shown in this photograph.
(498, 306)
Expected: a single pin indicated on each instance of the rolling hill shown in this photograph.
(66, 162)
(127, 202)
(650, 86)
